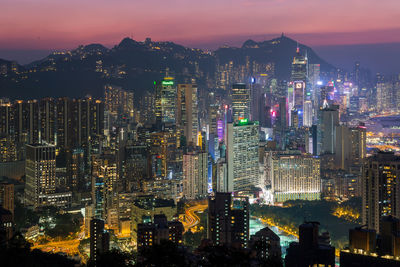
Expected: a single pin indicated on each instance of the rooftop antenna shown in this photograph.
(297, 48)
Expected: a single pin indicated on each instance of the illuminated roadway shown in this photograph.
(69, 247)
(191, 218)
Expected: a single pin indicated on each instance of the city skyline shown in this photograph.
(200, 133)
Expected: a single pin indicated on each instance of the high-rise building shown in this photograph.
(99, 239)
(366, 248)
(380, 189)
(147, 108)
(62, 118)
(282, 113)
(328, 120)
(299, 67)
(166, 96)
(40, 173)
(78, 122)
(223, 184)
(312, 249)
(8, 149)
(384, 96)
(242, 154)
(228, 219)
(240, 101)
(118, 101)
(135, 166)
(26, 121)
(350, 148)
(76, 169)
(104, 183)
(6, 226)
(265, 113)
(294, 176)
(7, 197)
(195, 175)
(187, 111)
(47, 120)
(85, 122)
(144, 207)
(298, 82)
(308, 113)
(6, 119)
(258, 100)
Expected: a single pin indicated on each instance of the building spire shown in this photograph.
(298, 48)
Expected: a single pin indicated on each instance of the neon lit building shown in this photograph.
(166, 100)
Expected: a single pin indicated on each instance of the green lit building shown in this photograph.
(242, 155)
(166, 95)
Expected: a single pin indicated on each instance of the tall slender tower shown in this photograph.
(187, 111)
(298, 81)
(240, 101)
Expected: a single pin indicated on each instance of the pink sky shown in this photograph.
(60, 24)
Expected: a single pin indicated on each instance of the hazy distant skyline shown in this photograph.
(29, 30)
(49, 24)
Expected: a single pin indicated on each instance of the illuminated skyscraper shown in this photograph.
(380, 189)
(26, 121)
(79, 122)
(242, 154)
(47, 120)
(195, 175)
(118, 101)
(282, 113)
(298, 81)
(166, 96)
(294, 176)
(328, 120)
(221, 173)
(62, 122)
(308, 113)
(76, 169)
(350, 148)
(240, 101)
(147, 108)
(384, 96)
(104, 183)
(187, 111)
(6, 119)
(40, 173)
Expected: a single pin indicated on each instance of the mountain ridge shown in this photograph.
(135, 65)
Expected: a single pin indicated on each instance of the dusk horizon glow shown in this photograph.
(65, 25)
